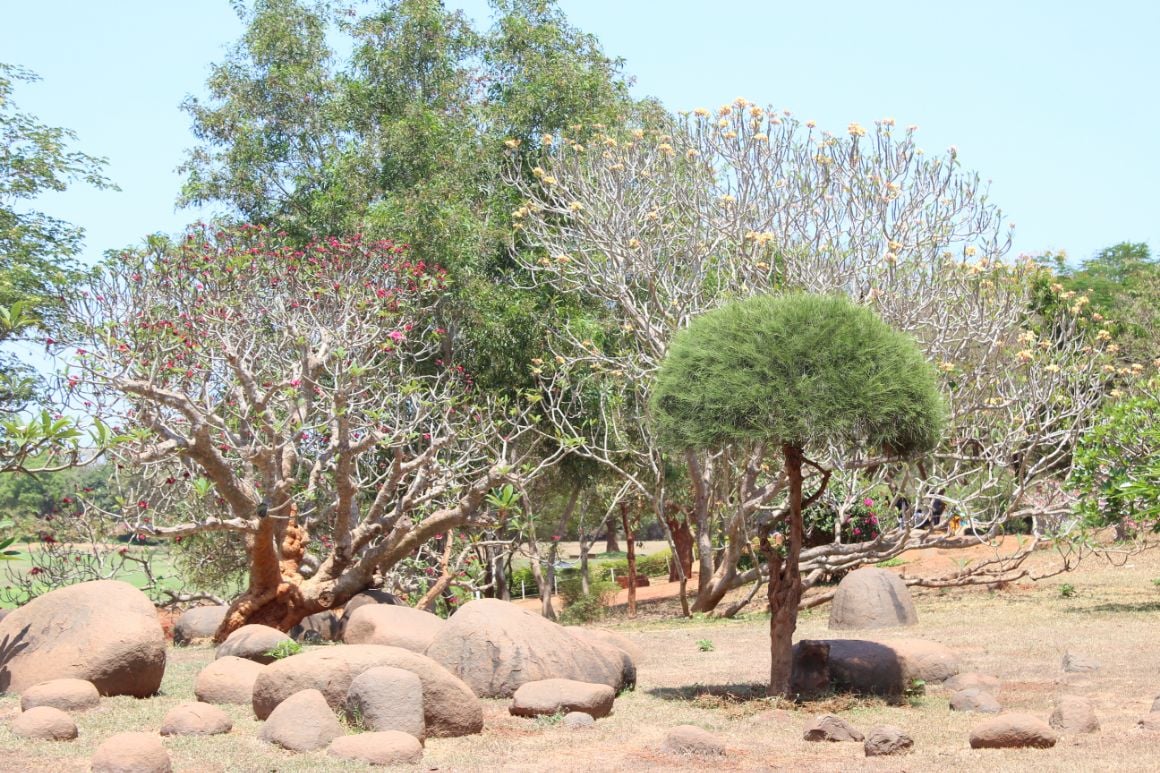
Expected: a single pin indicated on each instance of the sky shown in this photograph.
(1053, 102)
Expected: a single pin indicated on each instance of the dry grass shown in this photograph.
(1019, 634)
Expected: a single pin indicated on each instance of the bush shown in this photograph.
(653, 565)
(580, 607)
(523, 575)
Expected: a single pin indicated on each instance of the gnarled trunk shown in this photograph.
(785, 580)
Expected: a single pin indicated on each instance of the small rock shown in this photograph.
(831, 728)
(577, 720)
(386, 698)
(555, 696)
(63, 694)
(196, 719)
(1150, 722)
(302, 723)
(690, 739)
(198, 624)
(1013, 731)
(44, 723)
(1078, 664)
(1156, 704)
(132, 753)
(252, 642)
(974, 699)
(389, 747)
(886, 740)
(1074, 715)
(984, 682)
(227, 680)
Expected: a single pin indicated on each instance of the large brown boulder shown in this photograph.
(385, 698)
(319, 627)
(44, 723)
(196, 719)
(889, 668)
(496, 646)
(372, 596)
(63, 694)
(302, 723)
(392, 625)
(609, 645)
(198, 624)
(450, 708)
(131, 753)
(105, 632)
(872, 598)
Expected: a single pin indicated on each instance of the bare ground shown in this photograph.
(1019, 634)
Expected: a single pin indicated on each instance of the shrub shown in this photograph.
(653, 565)
(583, 607)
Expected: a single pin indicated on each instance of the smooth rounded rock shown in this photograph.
(966, 681)
(1013, 731)
(450, 708)
(578, 720)
(253, 642)
(872, 598)
(560, 696)
(198, 624)
(1074, 715)
(63, 694)
(386, 698)
(132, 753)
(974, 699)
(302, 723)
(392, 625)
(227, 680)
(105, 632)
(388, 747)
(692, 740)
(196, 718)
(44, 723)
(831, 728)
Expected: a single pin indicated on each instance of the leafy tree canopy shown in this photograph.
(797, 369)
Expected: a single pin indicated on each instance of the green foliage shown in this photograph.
(7, 541)
(653, 565)
(580, 607)
(705, 645)
(283, 649)
(796, 369)
(1067, 590)
(1116, 472)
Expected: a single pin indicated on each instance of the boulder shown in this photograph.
(373, 596)
(974, 699)
(889, 668)
(1079, 664)
(496, 646)
(389, 747)
(450, 708)
(831, 728)
(227, 680)
(387, 698)
(887, 740)
(302, 723)
(1013, 731)
(810, 677)
(560, 696)
(1074, 715)
(965, 681)
(63, 694)
(196, 718)
(872, 598)
(620, 641)
(394, 626)
(319, 627)
(578, 720)
(104, 631)
(131, 753)
(198, 624)
(605, 642)
(252, 642)
(690, 739)
(44, 723)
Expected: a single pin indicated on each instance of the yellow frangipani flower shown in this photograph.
(666, 149)
(512, 143)
(701, 112)
(856, 130)
(727, 199)
(575, 206)
(538, 171)
(1052, 368)
(638, 134)
(760, 137)
(1025, 355)
(547, 139)
(691, 153)
(563, 258)
(634, 244)
(548, 180)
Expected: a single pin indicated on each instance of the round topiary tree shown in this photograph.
(794, 371)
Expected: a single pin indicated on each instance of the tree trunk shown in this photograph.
(610, 544)
(785, 581)
(542, 582)
(683, 541)
(630, 538)
(585, 581)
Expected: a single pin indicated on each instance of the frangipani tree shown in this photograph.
(786, 375)
(664, 224)
(291, 394)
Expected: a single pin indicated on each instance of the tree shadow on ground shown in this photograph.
(1117, 608)
(748, 698)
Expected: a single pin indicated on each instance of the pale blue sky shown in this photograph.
(1055, 102)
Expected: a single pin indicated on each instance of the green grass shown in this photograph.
(132, 573)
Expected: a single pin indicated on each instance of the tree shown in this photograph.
(294, 395)
(661, 224)
(794, 373)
